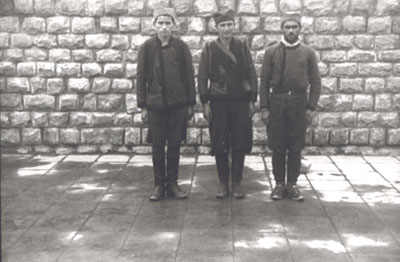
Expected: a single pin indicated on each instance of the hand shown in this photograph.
(310, 115)
(207, 112)
(190, 112)
(252, 109)
(265, 116)
(145, 116)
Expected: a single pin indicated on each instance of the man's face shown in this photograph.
(163, 26)
(291, 31)
(225, 29)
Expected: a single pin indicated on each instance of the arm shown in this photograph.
(141, 84)
(202, 76)
(251, 70)
(265, 79)
(190, 76)
(315, 81)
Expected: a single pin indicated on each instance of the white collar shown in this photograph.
(287, 44)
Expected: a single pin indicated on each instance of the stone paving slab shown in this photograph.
(96, 208)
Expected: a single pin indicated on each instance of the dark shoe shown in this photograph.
(237, 191)
(294, 192)
(222, 191)
(158, 194)
(279, 192)
(175, 191)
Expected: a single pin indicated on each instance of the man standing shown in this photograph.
(228, 101)
(166, 95)
(289, 92)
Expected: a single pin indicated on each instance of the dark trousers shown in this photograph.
(167, 128)
(286, 135)
(230, 129)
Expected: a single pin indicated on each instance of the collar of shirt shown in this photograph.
(287, 44)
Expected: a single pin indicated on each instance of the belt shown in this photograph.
(288, 92)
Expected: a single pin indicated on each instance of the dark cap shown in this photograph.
(296, 17)
(228, 15)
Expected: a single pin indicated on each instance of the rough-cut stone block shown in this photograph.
(137, 40)
(193, 136)
(79, 85)
(131, 103)
(368, 119)
(95, 7)
(60, 55)
(115, 6)
(39, 119)
(396, 69)
(34, 25)
(205, 8)
(77, 119)
(137, 7)
(67, 7)
(361, 56)
(343, 69)
(9, 24)
(393, 138)
(147, 27)
(35, 54)
(10, 136)
(38, 84)
(14, 54)
(379, 25)
(4, 40)
(387, 42)
(121, 85)
(246, 7)
(31, 136)
(120, 42)
(329, 85)
(20, 119)
(108, 55)
(4, 119)
(339, 137)
(290, 5)
(11, 101)
(320, 42)
(321, 136)
(18, 85)
(196, 26)
(58, 24)
(69, 102)
(55, 86)
(363, 102)
(85, 149)
(82, 55)
(329, 119)
(393, 84)
(83, 25)
(272, 24)
(359, 136)
(46, 69)
(45, 7)
(58, 119)
(26, 69)
(333, 56)
(113, 70)
(102, 119)
(70, 136)
(101, 85)
(374, 69)
(396, 25)
(377, 137)
(317, 7)
(21, 40)
(387, 7)
(39, 102)
(112, 136)
(267, 7)
(133, 136)
(326, 102)
(342, 102)
(343, 41)
(361, 7)
(129, 24)
(91, 69)
(68, 69)
(131, 70)
(97, 41)
(250, 24)
(7, 69)
(349, 119)
(374, 85)
(383, 102)
(110, 102)
(351, 85)
(327, 25)
(354, 24)
(71, 41)
(390, 119)
(389, 56)
(108, 24)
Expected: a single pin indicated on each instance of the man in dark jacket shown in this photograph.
(166, 95)
(228, 101)
(289, 92)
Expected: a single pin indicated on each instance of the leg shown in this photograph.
(278, 170)
(158, 127)
(223, 175)
(237, 173)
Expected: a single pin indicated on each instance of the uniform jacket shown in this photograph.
(301, 71)
(227, 71)
(168, 83)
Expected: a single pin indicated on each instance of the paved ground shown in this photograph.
(96, 208)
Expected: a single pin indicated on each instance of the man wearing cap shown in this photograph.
(227, 85)
(289, 92)
(166, 94)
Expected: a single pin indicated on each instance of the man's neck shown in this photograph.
(164, 40)
(225, 41)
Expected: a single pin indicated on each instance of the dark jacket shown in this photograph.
(165, 81)
(226, 73)
(301, 71)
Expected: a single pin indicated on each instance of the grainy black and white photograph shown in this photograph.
(200, 130)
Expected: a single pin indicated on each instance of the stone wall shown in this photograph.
(67, 71)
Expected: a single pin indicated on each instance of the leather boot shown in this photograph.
(173, 190)
(237, 174)
(159, 179)
(223, 175)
